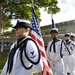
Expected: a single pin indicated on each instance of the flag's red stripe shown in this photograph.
(43, 54)
(36, 39)
(48, 63)
(46, 68)
(40, 43)
(48, 73)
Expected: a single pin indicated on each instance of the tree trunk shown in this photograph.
(1, 28)
(0, 18)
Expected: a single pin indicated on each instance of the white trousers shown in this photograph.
(57, 67)
(69, 62)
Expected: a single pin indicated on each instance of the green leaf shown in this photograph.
(22, 9)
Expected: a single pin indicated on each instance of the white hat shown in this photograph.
(67, 35)
(22, 24)
(54, 30)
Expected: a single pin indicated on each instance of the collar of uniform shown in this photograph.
(67, 43)
(19, 40)
(22, 39)
(56, 40)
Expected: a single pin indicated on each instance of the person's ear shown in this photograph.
(27, 29)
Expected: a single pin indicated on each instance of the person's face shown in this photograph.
(20, 32)
(54, 35)
(67, 37)
(72, 38)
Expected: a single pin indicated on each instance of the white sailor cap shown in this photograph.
(54, 30)
(22, 24)
(72, 34)
(67, 35)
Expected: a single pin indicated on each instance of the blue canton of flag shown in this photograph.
(35, 25)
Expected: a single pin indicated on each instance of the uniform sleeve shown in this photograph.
(32, 51)
(73, 45)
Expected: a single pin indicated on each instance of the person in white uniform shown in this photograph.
(24, 57)
(55, 53)
(72, 37)
(69, 56)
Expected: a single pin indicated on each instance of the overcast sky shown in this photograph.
(67, 12)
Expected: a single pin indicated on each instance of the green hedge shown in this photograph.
(3, 58)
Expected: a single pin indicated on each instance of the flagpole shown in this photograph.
(33, 3)
(51, 16)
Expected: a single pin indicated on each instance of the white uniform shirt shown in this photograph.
(18, 69)
(55, 56)
(70, 46)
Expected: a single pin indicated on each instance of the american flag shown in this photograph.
(36, 35)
